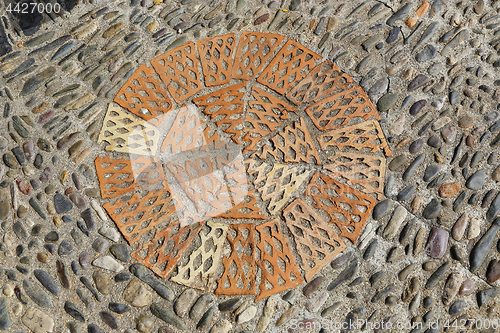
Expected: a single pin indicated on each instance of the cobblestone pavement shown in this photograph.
(250, 166)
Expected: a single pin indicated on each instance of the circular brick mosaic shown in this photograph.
(248, 147)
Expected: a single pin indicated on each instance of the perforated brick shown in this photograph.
(339, 109)
(365, 137)
(239, 267)
(348, 208)
(240, 190)
(276, 262)
(141, 214)
(126, 133)
(143, 95)
(178, 69)
(254, 50)
(225, 107)
(276, 183)
(362, 171)
(294, 144)
(186, 132)
(216, 56)
(166, 248)
(316, 242)
(120, 176)
(199, 271)
(264, 114)
(322, 81)
(292, 63)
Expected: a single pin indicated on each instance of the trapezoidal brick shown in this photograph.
(290, 65)
(264, 114)
(276, 183)
(253, 52)
(347, 207)
(365, 137)
(140, 214)
(126, 133)
(204, 185)
(316, 242)
(294, 145)
(276, 261)
(121, 176)
(186, 132)
(199, 271)
(216, 56)
(239, 268)
(322, 81)
(361, 171)
(225, 107)
(339, 109)
(178, 69)
(143, 95)
(245, 205)
(164, 250)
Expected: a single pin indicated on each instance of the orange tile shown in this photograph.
(254, 50)
(348, 208)
(216, 56)
(340, 108)
(166, 248)
(226, 108)
(242, 282)
(178, 69)
(140, 214)
(294, 144)
(316, 242)
(365, 137)
(274, 249)
(121, 176)
(143, 95)
(292, 63)
(323, 81)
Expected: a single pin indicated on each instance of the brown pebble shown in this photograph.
(43, 257)
(312, 285)
(69, 190)
(466, 121)
(261, 19)
(493, 271)
(470, 140)
(449, 189)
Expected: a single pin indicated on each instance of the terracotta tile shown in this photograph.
(195, 273)
(164, 250)
(316, 242)
(264, 114)
(361, 171)
(178, 69)
(254, 50)
(294, 144)
(276, 183)
(324, 80)
(143, 95)
(225, 107)
(203, 184)
(126, 133)
(292, 63)
(339, 109)
(120, 176)
(186, 132)
(242, 281)
(216, 56)
(274, 248)
(348, 208)
(365, 137)
(140, 214)
(240, 190)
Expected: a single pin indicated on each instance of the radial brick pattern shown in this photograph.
(223, 189)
